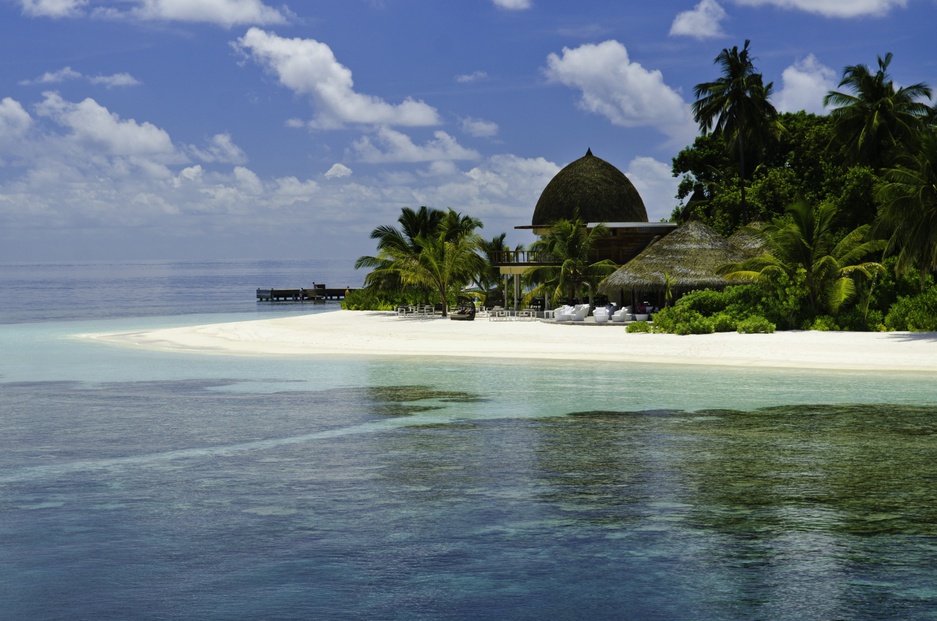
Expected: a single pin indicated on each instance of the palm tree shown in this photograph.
(448, 257)
(489, 278)
(736, 105)
(803, 250)
(570, 245)
(876, 122)
(396, 247)
(909, 208)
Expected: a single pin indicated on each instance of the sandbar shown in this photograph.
(375, 334)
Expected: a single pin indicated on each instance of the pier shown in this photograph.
(316, 293)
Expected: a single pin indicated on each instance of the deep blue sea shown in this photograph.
(154, 485)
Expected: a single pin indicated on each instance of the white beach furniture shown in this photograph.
(601, 315)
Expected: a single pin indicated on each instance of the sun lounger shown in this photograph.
(601, 315)
(580, 311)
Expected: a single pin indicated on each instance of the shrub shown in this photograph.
(695, 324)
(823, 323)
(638, 326)
(914, 313)
(755, 324)
(368, 299)
(724, 322)
(705, 301)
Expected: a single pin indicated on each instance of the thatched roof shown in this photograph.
(599, 191)
(748, 241)
(689, 255)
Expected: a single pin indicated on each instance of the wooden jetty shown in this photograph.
(316, 293)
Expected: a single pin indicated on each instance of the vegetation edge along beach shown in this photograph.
(832, 221)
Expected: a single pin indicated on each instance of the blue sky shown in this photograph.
(215, 129)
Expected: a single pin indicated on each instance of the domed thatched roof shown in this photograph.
(690, 256)
(600, 192)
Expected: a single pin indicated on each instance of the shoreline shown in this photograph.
(381, 333)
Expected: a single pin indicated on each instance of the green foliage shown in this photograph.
(808, 264)
(914, 313)
(374, 299)
(874, 122)
(755, 325)
(569, 243)
(639, 327)
(909, 208)
(724, 322)
(824, 323)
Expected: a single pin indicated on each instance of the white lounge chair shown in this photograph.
(622, 315)
(580, 311)
(600, 314)
(563, 313)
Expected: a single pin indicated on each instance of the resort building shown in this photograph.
(655, 257)
(598, 193)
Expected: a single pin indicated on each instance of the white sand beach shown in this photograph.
(364, 333)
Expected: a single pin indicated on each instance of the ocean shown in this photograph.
(156, 485)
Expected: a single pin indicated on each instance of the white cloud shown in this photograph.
(833, 8)
(308, 67)
(117, 79)
(475, 76)
(656, 185)
(513, 5)
(703, 22)
(221, 148)
(479, 128)
(805, 83)
(52, 8)
(92, 123)
(338, 171)
(624, 92)
(14, 120)
(225, 13)
(395, 147)
(67, 73)
(54, 77)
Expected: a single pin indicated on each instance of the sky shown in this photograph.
(243, 129)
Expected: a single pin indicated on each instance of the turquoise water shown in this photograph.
(154, 485)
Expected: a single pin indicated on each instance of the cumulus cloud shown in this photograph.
(513, 5)
(14, 120)
(67, 73)
(804, 84)
(225, 13)
(479, 128)
(221, 149)
(704, 21)
(622, 91)
(391, 146)
(833, 8)
(656, 185)
(308, 67)
(338, 171)
(92, 123)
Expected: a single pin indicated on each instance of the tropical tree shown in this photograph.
(569, 246)
(448, 257)
(398, 247)
(909, 209)
(736, 105)
(805, 259)
(876, 122)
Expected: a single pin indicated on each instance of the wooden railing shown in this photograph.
(523, 257)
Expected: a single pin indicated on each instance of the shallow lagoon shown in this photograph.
(159, 485)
